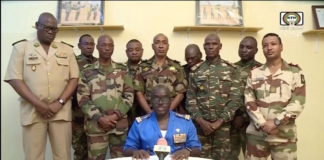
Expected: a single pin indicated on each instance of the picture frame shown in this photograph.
(75, 13)
(318, 14)
(219, 13)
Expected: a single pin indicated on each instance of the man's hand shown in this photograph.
(107, 122)
(44, 110)
(205, 126)
(215, 125)
(268, 126)
(55, 106)
(141, 154)
(274, 132)
(181, 154)
(238, 122)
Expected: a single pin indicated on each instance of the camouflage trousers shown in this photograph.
(79, 141)
(98, 146)
(216, 145)
(238, 142)
(257, 149)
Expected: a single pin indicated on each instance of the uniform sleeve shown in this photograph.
(242, 109)
(127, 97)
(234, 99)
(84, 99)
(181, 83)
(192, 105)
(15, 65)
(251, 105)
(297, 101)
(138, 81)
(74, 68)
(192, 138)
(133, 140)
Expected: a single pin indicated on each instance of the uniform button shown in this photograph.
(47, 63)
(49, 98)
(48, 73)
(49, 86)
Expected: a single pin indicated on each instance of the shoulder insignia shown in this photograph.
(143, 61)
(19, 41)
(295, 65)
(196, 65)
(229, 63)
(87, 66)
(140, 119)
(176, 61)
(67, 44)
(184, 116)
(121, 64)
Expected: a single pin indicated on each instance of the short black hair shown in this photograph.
(133, 40)
(272, 34)
(85, 35)
(252, 38)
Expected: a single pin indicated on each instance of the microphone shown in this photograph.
(161, 149)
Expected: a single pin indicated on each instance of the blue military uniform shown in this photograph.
(145, 133)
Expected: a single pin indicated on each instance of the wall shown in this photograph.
(143, 20)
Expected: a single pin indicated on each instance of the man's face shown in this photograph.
(271, 47)
(160, 45)
(212, 46)
(161, 101)
(86, 45)
(134, 51)
(105, 47)
(247, 49)
(47, 29)
(192, 57)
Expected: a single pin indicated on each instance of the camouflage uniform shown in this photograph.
(149, 74)
(102, 93)
(280, 96)
(213, 93)
(238, 136)
(79, 138)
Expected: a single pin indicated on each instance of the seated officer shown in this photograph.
(177, 129)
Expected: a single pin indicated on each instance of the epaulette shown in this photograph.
(196, 65)
(87, 66)
(184, 116)
(139, 119)
(67, 44)
(229, 63)
(176, 61)
(19, 41)
(143, 61)
(295, 65)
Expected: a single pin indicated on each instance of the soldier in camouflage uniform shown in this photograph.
(247, 50)
(79, 138)
(275, 97)
(213, 96)
(134, 52)
(105, 95)
(160, 69)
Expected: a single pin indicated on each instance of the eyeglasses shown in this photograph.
(48, 28)
(158, 99)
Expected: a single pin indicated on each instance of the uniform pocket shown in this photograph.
(62, 61)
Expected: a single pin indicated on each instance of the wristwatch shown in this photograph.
(276, 121)
(190, 150)
(61, 101)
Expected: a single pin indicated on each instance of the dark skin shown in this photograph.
(87, 46)
(160, 46)
(46, 109)
(105, 47)
(272, 51)
(161, 102)
(192, 55)
(134, 52)
(212, 46)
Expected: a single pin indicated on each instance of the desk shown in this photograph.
(156, 158)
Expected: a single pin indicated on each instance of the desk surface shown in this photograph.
(156, 158)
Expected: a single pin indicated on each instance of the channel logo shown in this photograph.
(293, 18)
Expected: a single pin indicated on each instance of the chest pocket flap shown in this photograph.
(62, 61)
(33, 59)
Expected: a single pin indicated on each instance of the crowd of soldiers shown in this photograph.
(244, 105)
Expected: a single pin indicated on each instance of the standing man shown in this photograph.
(160, 69)
(211, 13)
(95, 11)
(89, 10)
(213, 97)
(247, 50)
(68, 8)
(275, 95)
(134, 52)
(77, 10)
(105, 95)
(192, 57)
(79, 138)
(44, 73)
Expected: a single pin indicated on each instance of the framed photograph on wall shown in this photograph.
(80, 12)
(318, 13)
(219, 13)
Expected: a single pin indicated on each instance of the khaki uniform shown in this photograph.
(46, 75)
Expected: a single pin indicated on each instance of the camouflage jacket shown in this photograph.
(280, 96)
(244, 71)
(101, 93)
(149, 74)
(213, 91)
(131, 69)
